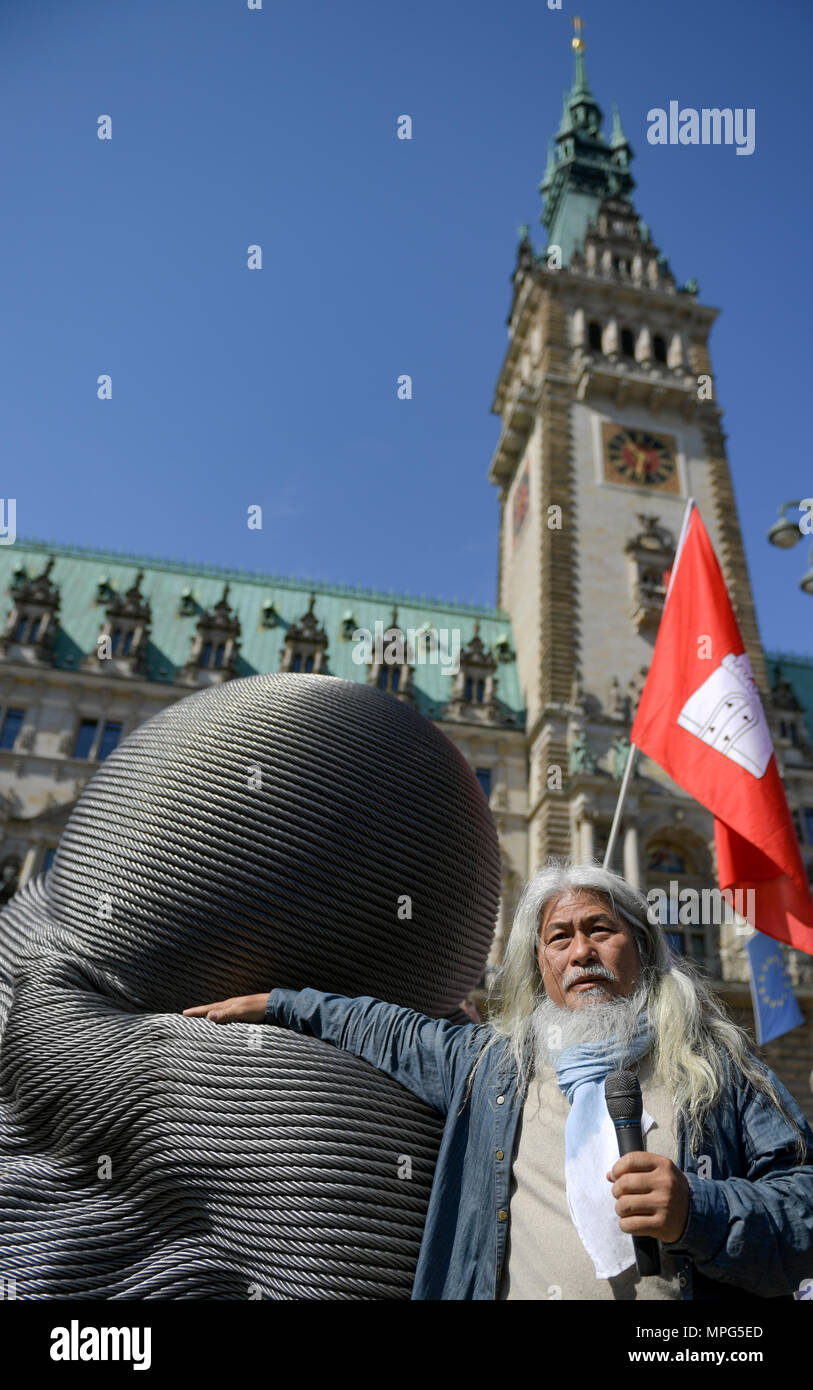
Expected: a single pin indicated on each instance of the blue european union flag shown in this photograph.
(775, 1008)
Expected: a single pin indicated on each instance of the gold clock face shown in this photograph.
(640, 458)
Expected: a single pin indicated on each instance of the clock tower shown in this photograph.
(610, 421)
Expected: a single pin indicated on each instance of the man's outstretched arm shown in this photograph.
(424, 1054)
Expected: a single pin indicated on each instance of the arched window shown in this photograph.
(296, 664)
(676, 861)
(116, 638)
(396, 678)
(309, 664)
(35, 627)
(468, 689)
(594, 336)
(659, 348)
(481, 688)
(109, 740)
(382, 678)
(19, 636)
(206, 657)
(12, 724)
(85, 738)
(219, 655)
(627, 342)
(128, 643)
(483, 775)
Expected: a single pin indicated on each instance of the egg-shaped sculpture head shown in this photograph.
(284, 829)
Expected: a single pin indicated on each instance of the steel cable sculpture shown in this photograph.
(280, 830)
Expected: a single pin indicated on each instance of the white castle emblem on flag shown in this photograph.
(726, 712)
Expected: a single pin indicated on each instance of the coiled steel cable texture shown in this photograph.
(143, 1155)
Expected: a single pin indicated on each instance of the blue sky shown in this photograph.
(380, 256)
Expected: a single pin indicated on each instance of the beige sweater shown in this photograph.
(545, 1258)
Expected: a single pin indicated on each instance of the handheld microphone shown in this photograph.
(623, 1096)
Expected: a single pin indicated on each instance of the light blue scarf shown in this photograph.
(591, 1146)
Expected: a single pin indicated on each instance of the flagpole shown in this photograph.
(619, 805)
(633, 753)
(681, 538)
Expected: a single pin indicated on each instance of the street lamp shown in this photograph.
(785, 533)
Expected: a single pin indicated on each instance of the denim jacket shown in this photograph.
(749, 1231)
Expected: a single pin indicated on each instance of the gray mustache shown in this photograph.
(579, 972)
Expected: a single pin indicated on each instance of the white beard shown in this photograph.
(601, 1018)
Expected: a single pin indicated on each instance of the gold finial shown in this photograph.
(577, 43)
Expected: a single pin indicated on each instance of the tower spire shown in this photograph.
(586, 167)
(617, 137)
(581, 87)
(582, 111)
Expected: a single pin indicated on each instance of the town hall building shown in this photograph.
(609, 422)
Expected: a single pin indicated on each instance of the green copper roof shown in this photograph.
(586, 169)
(78, 570)
(580, 91)
(566, 123)
(798, 672)
(618, 138)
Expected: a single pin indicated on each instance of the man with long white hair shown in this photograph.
(530, 1200)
